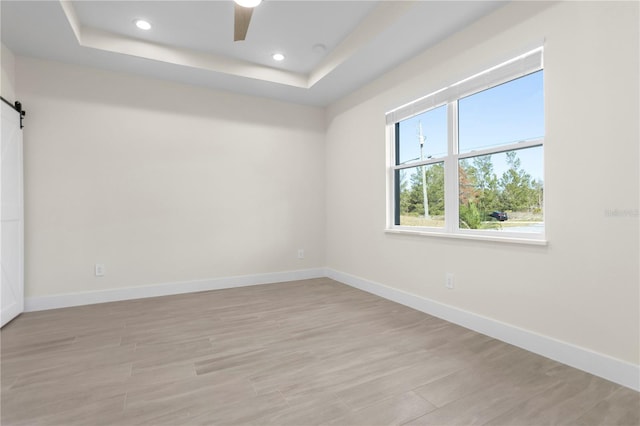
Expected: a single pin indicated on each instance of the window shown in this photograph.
(467, 160)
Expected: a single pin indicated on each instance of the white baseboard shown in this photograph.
(166, 289)
(615, 370)
(10, 313)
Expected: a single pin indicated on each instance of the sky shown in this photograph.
(511, 112)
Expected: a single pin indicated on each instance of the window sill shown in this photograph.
(464, 236)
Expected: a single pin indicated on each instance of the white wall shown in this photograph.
(8, 74)
(163, 182)
(583, 288)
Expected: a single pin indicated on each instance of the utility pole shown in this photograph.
(422, 140)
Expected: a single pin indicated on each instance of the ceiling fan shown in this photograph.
(242, 17)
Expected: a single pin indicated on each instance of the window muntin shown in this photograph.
(492, 172)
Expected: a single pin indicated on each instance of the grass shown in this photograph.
(434, 221)
(515, 219)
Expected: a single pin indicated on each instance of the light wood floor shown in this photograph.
(300, 353)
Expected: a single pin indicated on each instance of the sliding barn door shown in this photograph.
(11, 216)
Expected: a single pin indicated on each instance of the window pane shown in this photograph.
(503, 191)
(511, 112)
(413, 182)
(423, 136)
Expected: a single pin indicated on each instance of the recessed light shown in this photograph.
(142, 24)
(278, 57)
(248, 3)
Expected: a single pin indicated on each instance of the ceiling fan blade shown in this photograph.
(242, 19)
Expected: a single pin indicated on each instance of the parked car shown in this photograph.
(501, 216)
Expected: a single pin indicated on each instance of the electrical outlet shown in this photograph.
(300, 253)
(449, 281)
(99, 269)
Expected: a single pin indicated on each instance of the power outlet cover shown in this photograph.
(99, 270)
(449, 281)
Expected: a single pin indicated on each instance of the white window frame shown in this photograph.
(515, 68)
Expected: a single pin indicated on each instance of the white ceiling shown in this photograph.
(192, 41)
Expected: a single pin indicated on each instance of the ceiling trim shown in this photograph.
(376, 22)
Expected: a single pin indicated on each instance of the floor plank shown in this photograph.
(299, 353)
